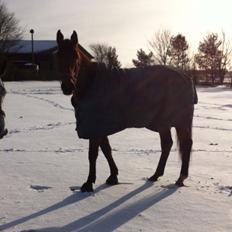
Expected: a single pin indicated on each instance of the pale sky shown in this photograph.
(125, 24)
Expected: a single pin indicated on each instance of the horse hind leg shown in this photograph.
(166, 144)
(184, 136)
(107, 151)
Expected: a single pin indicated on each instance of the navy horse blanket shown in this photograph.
(155, 97)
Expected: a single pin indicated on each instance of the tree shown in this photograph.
(105, 54)
(112, 58)
(210, 56)
(178, 51)
(226, 57)
(143, 59)
(10, 30)
(160, 46)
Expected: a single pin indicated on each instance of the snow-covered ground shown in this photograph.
(42, 157)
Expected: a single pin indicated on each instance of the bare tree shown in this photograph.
(225, 62)
(192, 68)
(10, 30)
(106, 54)
(160, 46)
(99, 51)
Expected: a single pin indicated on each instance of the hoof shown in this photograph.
(112, 180)
(180, 181)
(87, 187)
(153, 178)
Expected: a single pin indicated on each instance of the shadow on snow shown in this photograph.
(106, 219)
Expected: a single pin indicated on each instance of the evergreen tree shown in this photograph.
(178, 52)
(143, 59)
(210, 56)
(112, 58)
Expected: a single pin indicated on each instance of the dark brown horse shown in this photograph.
(3, 130)
(157, 98)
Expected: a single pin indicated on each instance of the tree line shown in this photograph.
(212, 59)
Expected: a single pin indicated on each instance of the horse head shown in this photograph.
(68, 61)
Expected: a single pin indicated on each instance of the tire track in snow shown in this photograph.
(215, 104)
(49, 126)
(212, 118)
(58, 151)
(53, 103)
(212, 128)
(131, 151)
(56, 105)
(155, 151)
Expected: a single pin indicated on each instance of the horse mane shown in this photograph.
(84, 60)
(86, 73)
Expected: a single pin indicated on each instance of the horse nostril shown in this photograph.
(67, 87)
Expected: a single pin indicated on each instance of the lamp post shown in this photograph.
(32, 47)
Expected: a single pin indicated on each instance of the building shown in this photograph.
(39, 64)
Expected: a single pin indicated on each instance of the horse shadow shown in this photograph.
(74, 198)
(115, 214)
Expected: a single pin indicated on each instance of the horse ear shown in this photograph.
(74, 38)
(59, 37)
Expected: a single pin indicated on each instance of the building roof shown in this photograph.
(40, 46)
(24, 46)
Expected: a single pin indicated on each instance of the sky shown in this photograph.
(127, 25)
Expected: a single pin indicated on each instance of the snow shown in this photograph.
(42, 157)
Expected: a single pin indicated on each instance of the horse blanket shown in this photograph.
(153, 97)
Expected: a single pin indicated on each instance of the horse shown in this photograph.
(80, 79)
(3, 130)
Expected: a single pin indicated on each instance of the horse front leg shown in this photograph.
(166, 144)
(93, 154)
(107, 151)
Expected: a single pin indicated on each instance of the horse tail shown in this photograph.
(193, 86)
(184, 136)
(195, 97)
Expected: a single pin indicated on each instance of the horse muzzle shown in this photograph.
(67, 87)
